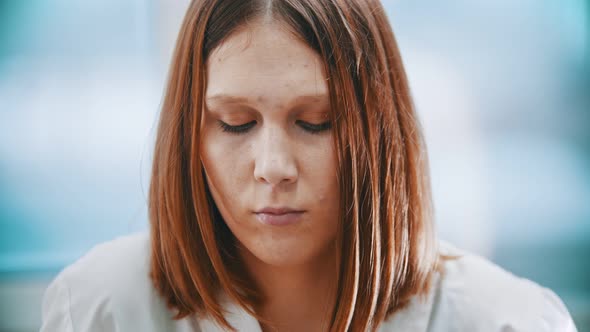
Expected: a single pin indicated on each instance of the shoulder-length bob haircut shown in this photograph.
(387, 249)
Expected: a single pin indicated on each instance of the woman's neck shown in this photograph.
(297, 298)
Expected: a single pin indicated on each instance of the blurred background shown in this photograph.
(502, 88)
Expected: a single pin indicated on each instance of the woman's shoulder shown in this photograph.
(473, 294)
(106, 290)
(482, 293)
(129, 253)
(470, 293)
(117, 266)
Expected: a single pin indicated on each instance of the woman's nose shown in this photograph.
(275, 161)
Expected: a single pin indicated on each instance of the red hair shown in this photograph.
(387, 245)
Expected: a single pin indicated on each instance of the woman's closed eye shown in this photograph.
(243, 128)
(236, 129)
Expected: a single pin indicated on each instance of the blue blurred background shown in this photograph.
(502, 88)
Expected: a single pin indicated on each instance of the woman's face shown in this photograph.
(267, 143)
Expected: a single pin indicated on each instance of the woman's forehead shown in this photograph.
(265, 64)
(259, 33)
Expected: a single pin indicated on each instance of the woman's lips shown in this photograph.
(282, 219)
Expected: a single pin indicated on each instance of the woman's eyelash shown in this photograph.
(236, 129)
(311, 128)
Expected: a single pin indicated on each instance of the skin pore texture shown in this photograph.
(272, 86)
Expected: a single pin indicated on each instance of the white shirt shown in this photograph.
(109, 290)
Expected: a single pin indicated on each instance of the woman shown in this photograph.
(290, 192)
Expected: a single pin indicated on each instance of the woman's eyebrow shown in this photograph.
(223, 98)
(227, 99)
